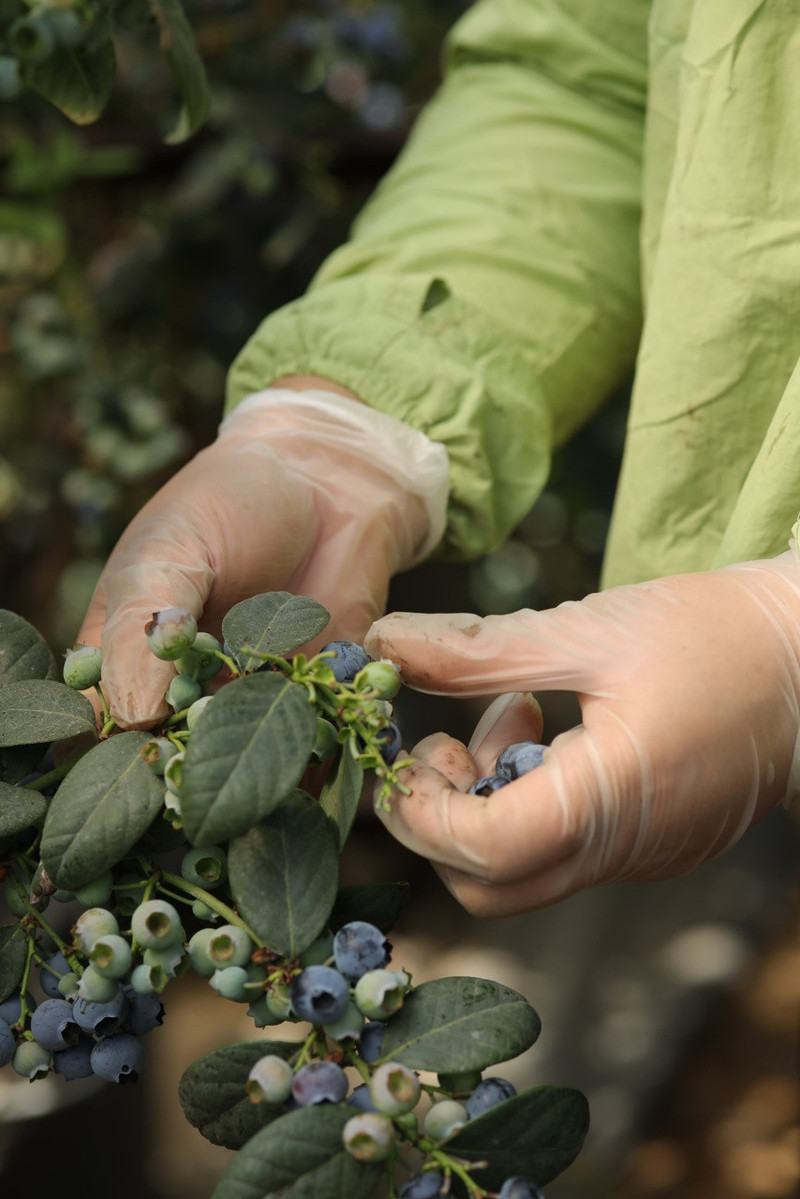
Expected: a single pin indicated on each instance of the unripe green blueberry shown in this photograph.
(200, 959)
(201, 661)
(368, 1137)
(260, 1014)
(67, 26)
(82, 665)
(206, 867)
(380, 993)
(278, 1001)
(157, 753)
(96, 893)
(91, 924)
(182, 692)
(381, 678)
(170, 633)
(395, 1089)
(155, 924)
(31, 1060)
(202, 911)
(443, 1119)
(196, 710)
(111, 956)
(348, 1027)
(230, 983)
(147, 979)
(269, 1080)
(68, 985)
(95, 987)
(230, 945)
(15, 893)
(31, 38)
(408, 1123)
(168, 959)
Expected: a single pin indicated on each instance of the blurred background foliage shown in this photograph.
(134, 264)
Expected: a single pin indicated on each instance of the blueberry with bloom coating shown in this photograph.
(319, 994)
(390, 742)
(444, 1118)
(360, 1098)
(201, 660)
(111, 956)
(488, 784)
(381, 993)
(118, 1058)
(359, 946)
(206, 866)
(53, 1024)
(369, 1044)
(101, 1019)
(51, 972)
(82, 665)
(157, 752)
(91, 924)
(381, 677)
(348, 658)
(7, 1043)
(395, 1089)
(429, 1185)
(518, 1187)
(76, 1060)
(319, 1082)
(195, 710)
(182, 692)
(519, 758)
(368, 1137)
(488, 1093)
(170, 633)
(145, 1012)
(269, 1080)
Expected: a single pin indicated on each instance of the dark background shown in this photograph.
(131, 273)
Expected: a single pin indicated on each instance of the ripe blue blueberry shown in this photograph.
(347, 659)
(390, 742)
(76, 1060)
(7, 1043)
(369, 1044)
(519, 758)
(11, 1008)
(488, 1093)
(101, 1019)
(118, 1058)
(145, 1012)
(429, 1185)
(488, 784)
(319, 994)
(359, 946)
(517, 1187)
(52, 970)
(53, 1024)
(360, 1098)
(319, 1082)
(368, 1137)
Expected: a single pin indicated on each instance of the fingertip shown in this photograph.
(450, 757)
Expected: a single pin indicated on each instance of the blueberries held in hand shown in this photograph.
(349, 659)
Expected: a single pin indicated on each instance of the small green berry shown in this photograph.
(170, 633)
(82, 667)
(182, 692)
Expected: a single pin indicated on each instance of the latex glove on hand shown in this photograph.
(309, 492)
(689, 688)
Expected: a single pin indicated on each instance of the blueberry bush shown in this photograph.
(211, 846)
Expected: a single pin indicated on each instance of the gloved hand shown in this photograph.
(689, 689)
(308, 492)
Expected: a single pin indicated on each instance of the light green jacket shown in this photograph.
(594, 185)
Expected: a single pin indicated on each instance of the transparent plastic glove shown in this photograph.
(307, 492)
(689, 689)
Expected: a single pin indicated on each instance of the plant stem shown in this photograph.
(176, 880)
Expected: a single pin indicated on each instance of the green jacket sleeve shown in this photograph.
(489, 292)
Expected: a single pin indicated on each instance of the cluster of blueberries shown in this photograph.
(352, 995)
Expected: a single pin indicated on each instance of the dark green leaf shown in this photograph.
(43, 710)
(381, 904)
(13, 953)
(276, 622)
(284, 874)
(24, 653)
(100, 810)
(212, 1092)
(178, 44)
(341, 792)
(19, 809)
(77, 80)
(257, 737)
(537, 1134)
(300, 1156)
(18, 761)
(454, 1024)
